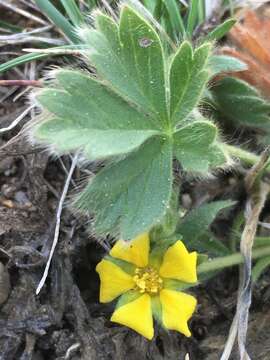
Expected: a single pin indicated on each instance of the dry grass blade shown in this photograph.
(231, 339)
(71, 349)
(58, 221)
(108, 7)
(35, 31)
(29, 36)
(54, 51)
(257, 197)
(244, 299)
(29, 4)
(17, 120)
(15, 40)
(22, 12)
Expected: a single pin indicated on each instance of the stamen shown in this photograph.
(147, 280)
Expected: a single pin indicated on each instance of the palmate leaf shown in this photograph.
(136, 114)
(192, 146)
(221, 30)
(130, 57)
(82, 120)
(194, 226)
(186, 86)
(241, 103)
(224, 63)
(123, 189)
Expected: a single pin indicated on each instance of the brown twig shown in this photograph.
(33, 83)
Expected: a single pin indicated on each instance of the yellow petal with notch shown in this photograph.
(113, 281)
(177, 309)
(135, 251)
(179, 264)
(136, 315)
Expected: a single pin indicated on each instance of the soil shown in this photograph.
(66, 321)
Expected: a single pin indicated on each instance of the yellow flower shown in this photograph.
(149, 285)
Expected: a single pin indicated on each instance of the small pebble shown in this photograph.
(8, 203)
(21, 198)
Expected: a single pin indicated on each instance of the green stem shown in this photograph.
(230, 260)
(201, 12)
(247, 157)
(261, 241)
(231, 8)
(236, 229)
(158, 10)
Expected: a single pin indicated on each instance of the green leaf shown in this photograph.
(10, 27)
(209, 244)
(175, 17)
(81, 121)
(180, 73)
(54, 51)
(151, 5)
(197, 222)
(104, 54)
(224, 63)
(195, 146)
(169, 222)
(21, 60)
(58, 19)
(140, 46)
(201, 12)
(221, 30)
(97, 144)
(188, 77)
(261, 265)
(121, 55)
(241, 103)
(92, 3)
(73, 12)
(132, 193)
(120, 114)
(192, 16)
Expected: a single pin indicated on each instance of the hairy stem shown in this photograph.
(230, 260)
(247, 157)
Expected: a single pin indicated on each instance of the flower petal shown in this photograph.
(179, 264)
(177, 309)
(113, 281)
(135, 251)
(137, 315)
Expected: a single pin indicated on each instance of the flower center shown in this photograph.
(147, 280)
